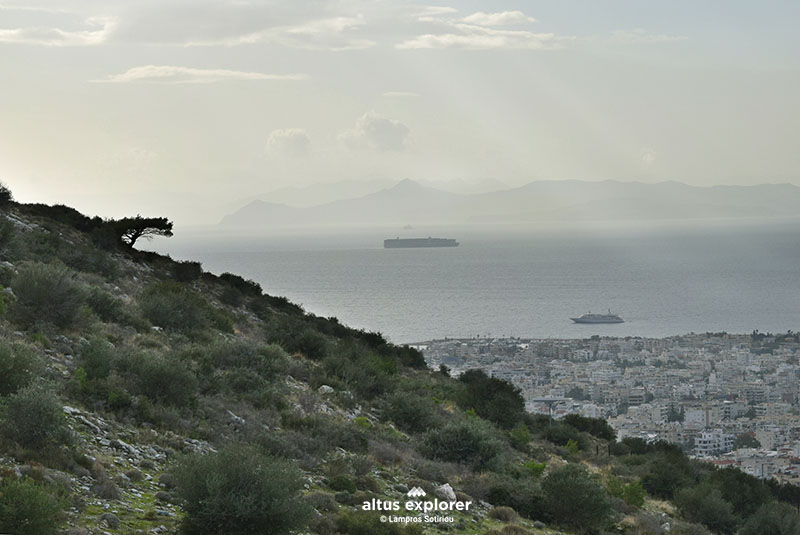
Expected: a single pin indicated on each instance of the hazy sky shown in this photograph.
(182, 108)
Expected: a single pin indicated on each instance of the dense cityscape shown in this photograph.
(729, 399)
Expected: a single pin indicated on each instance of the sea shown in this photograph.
(663, 278)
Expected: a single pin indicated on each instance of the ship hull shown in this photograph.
(591, 320)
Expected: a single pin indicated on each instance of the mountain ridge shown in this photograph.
(411, 202)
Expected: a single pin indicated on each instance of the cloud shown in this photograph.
(480, 31)
(98, 30)
(431, 13)
(504, 18)
(375, 132)
(473, 37)
(289, 141)
(400, 94)
(640, 36)
(331, 34)
(170, 74)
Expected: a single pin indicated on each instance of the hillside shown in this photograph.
(143, 395)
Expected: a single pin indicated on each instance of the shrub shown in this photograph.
(504, 514)
(411, 412)
(6, 197)
(19, 365)
(363, 523)
(574, 498)
(173, 306)
(239, 491)
(46, 293)
(772, 519)
(469, 441)
(342, 483)
(187, 271)
(705, 505)
(533, 468)
(594, 426)
(494, 399)
(162, 378)
(34, 417)
(634, 494)
(520, 437)
(107, 307)
(26, 509)
(95, 358)
(247, 287)
(521, 494)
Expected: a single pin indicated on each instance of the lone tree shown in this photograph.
(130, 229)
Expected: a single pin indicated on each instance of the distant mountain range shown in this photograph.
(412, 203)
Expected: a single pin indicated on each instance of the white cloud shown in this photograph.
(400, 94)
(289, 142)
(432, 13)
(331, 34)
(375, 132)
(640, 36)
(503, 18)
(98, 31)
(170, 74)
(477, 37)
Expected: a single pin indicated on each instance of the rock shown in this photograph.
(159, 529)
(538, 524)
(78, 531)
(445, 492)
(110, 519)
(238, 420)
(401, 488)
(325, 389)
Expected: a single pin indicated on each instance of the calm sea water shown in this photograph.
(663, 279)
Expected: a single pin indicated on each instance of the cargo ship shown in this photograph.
(402, 243)
(598, 318)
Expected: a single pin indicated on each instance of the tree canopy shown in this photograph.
(130, 229)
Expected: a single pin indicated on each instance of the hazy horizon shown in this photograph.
(183, 108)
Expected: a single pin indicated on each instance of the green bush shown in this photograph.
(574, 498)
(46, 293)
(594, 426)
(363, 523)
(19, 365)
(494, 399)
(705, 505)
(95, 358)
(342, 483)
(173, 306)
(107, 307)
(471, 441)
(522, 494)
(26, 509)
(772, 519)
(34, 418)
(187, 271)
(240, 491)
(503, 513)
(162, 378)
(411, 412)
(634, 494)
